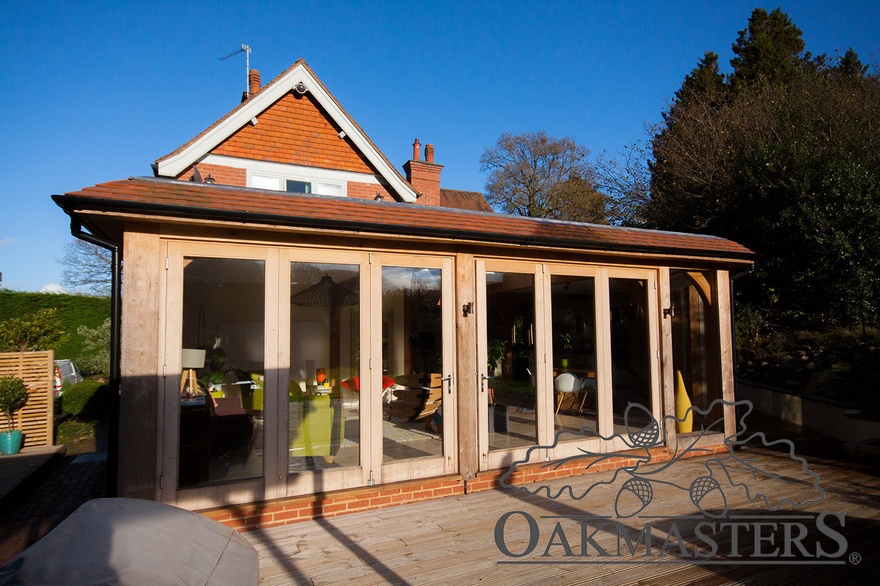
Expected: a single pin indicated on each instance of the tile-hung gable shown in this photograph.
(292, 129)
(307, 331)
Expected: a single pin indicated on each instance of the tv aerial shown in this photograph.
(247, 64)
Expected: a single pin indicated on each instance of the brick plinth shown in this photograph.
(304, 508)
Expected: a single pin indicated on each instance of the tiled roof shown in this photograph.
(172, 198)
(464, 200)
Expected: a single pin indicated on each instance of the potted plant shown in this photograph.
(566, 347)
(13, 396)
(495, 352)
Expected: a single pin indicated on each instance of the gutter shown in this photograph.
(115, 351)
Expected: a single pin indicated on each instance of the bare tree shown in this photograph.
(534, 175)
(86, 267)
(625, 181)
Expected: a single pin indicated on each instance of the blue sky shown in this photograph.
(96, 91)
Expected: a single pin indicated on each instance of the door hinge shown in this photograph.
(371, 364)
(161, 482)
(371, 257)
(164, 371)
(166, 263)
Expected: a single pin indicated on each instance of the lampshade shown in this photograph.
(325, 293)
(192, 358)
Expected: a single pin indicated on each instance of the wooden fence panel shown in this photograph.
(37, 370)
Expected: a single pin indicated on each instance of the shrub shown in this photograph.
(86, 400)
(13, 396)
(33, 332)
(95, 356)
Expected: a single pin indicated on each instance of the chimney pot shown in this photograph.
(417, 150)
(429, 153)
(254, 81)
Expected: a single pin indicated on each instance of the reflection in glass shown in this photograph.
(510, 337)
(574, 353)
(324, 383)
(695, 348)
(412, 362)
(630, 351)
(221, 406)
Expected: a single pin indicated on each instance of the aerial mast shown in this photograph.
(247, 64)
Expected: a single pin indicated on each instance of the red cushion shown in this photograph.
(353, 384)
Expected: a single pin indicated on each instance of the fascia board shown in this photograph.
(177, 164)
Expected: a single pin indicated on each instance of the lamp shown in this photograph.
(191, 359)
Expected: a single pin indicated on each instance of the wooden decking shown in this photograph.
(452, 541)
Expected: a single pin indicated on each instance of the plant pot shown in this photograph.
(10, 442)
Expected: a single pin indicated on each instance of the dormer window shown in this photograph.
(294, 184)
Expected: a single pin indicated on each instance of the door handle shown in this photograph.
(483, 379)
(447, 379)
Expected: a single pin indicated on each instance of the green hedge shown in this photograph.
(86, 400)
(73, 311)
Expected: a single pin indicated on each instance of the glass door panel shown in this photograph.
(510, 348)
(324, 427)
(222, 365)
(696, 354)
(631, 362)
(412, 363)
(573, 303)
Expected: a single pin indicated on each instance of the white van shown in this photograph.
(66, 374)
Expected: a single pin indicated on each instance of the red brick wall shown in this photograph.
(222, 175)
(295, 130)
(369, 191)
(303, 508)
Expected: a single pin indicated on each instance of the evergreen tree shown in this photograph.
(769, 49)
(784, 157)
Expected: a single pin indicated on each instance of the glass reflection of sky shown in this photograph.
(395, 278)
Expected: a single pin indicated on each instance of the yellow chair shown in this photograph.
(312, 419)
(252, 399)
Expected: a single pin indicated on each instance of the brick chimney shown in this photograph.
(254, 82)
(424, 176)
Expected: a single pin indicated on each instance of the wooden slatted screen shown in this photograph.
(37, 371)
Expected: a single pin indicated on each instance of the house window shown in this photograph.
(294, 186)
(315, 185)
(259, 182)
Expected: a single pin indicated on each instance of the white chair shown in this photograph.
(568, 386)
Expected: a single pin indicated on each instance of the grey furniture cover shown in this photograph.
(130, 541)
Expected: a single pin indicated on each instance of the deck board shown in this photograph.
(451, 541)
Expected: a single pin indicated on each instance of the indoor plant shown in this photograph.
(13, 396)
